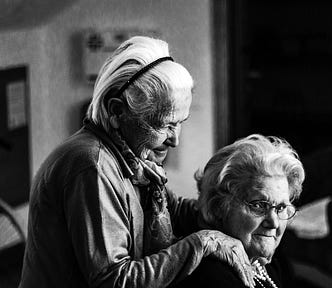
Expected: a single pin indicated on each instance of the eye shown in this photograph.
(172, 126)
(281, 208)
(256, 205)
(259, 205)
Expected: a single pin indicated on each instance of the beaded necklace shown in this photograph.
(261, 276)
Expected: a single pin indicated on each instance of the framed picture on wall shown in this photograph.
(14, 136)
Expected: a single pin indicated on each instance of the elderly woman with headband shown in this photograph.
(247, 190)
(101, 214)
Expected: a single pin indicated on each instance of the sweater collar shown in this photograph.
(140, 172)
(107, 141)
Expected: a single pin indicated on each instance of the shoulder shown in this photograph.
(176, 200)
(276, 271)
(81, 152)
(212, 273)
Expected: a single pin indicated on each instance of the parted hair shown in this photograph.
(239, 168)
(147, 98)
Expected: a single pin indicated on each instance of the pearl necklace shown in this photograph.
(260, 275)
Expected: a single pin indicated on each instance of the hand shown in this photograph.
(231, 250)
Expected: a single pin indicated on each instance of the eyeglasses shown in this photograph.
(261, 208)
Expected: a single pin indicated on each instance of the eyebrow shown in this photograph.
(185, 119)
(271, 203)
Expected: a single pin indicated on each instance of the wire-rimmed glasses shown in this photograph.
(261, 208)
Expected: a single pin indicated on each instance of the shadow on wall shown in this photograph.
(16, 14)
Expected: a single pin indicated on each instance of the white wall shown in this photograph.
(53, 53)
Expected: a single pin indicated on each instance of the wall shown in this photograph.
(53, 53)
(25, 47)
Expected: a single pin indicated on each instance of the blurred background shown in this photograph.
(259, 67)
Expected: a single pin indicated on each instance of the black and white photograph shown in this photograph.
(165, 143)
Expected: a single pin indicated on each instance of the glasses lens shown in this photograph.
(261, 208)
(258, 208)
(286, 212)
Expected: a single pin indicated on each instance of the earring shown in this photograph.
(114, 122)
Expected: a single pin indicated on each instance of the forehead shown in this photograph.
(181, 101)
(274, 189)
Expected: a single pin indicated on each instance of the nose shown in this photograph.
(173, 137)
(272, 219)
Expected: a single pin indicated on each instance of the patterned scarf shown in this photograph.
(151, 179)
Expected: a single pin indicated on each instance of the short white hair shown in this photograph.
(149, 94)
(239, 168)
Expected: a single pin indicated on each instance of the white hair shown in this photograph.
(149, 94)
(240, 167)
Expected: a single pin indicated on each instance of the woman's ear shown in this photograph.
(115, 109)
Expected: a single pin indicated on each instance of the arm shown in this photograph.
(184, 214)
(99, 224)
(186, 219)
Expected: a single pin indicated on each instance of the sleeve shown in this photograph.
(98, 223)
(184, 214)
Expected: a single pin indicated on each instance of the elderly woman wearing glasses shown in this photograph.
(247, 190)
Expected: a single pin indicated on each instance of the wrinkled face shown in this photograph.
(153, 143)
(260, 235)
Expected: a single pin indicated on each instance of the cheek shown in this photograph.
(156, 138)
(149, 139)
(282, 228)
(136, 137)
(247, 227)
(242, 225)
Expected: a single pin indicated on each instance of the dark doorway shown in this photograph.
(281, 84)
(281, 76)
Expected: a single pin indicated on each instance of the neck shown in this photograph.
(261, 260)
(261, 276)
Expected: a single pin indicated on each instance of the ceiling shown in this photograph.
(17, 14)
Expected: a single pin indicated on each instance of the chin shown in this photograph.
(264, 255)
(154, 157)
(157, 160)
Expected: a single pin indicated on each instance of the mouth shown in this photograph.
(161, 152)
(265, 236)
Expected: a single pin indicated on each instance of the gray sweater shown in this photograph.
(86, 223)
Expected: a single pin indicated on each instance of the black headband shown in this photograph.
(138, 74)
